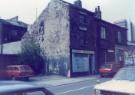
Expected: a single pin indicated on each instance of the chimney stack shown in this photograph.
(78, 3)
(98, 13)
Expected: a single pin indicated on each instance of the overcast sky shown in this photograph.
(112, 10)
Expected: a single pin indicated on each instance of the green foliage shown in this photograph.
(31, 55)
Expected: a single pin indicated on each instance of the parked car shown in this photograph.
(22, 88)
(19, 71)
(123, 83)
(109, 69)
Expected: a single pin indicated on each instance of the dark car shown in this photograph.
(22, 88)
(109, 69)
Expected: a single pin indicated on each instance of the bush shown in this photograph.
(31, 55)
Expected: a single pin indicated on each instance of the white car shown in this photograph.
(122, 84)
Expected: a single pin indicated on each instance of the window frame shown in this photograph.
(82, 19)
(103, 32)
(83, 38)
(119, 36)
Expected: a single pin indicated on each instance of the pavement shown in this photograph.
(56, 80)
(60, 85)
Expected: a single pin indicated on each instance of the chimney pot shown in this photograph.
(98, 13)
(98, 8)
(78, 3)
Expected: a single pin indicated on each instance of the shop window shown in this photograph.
(80, 62)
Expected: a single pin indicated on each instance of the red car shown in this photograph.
(109, 69)
(3, 73)
(19, 71)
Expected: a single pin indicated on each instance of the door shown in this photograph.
(92, 66)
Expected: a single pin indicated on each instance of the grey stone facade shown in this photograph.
(51, 31)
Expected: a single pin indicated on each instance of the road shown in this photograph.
(78, 88)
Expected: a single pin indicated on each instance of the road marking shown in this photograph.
(74, 90)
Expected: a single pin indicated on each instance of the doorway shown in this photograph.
(92, 66)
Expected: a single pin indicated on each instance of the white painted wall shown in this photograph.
(12, 48)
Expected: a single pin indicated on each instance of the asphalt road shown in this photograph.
(79, 88)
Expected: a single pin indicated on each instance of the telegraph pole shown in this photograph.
(36, 13)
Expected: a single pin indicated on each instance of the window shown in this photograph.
(83, 19)
(57, 13)
(41, 27)
(83, 39)
(119, 37)
(103, 33)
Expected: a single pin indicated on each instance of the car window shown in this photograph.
(15, 68)
(107, 66)
(25, 68)
(34, 93)
(12, 68)
(123, 74)
(28, 93)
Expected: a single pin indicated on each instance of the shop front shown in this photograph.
(83, 62)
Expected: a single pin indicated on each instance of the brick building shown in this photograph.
(76, 41)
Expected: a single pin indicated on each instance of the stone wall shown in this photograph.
(51, 30)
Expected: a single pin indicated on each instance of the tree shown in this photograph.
(31, 55)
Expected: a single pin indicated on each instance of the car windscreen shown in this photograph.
(124, 74)
(107, 66)
(25, 68)
(12, 68)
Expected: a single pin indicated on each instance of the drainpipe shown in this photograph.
(105, 57)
